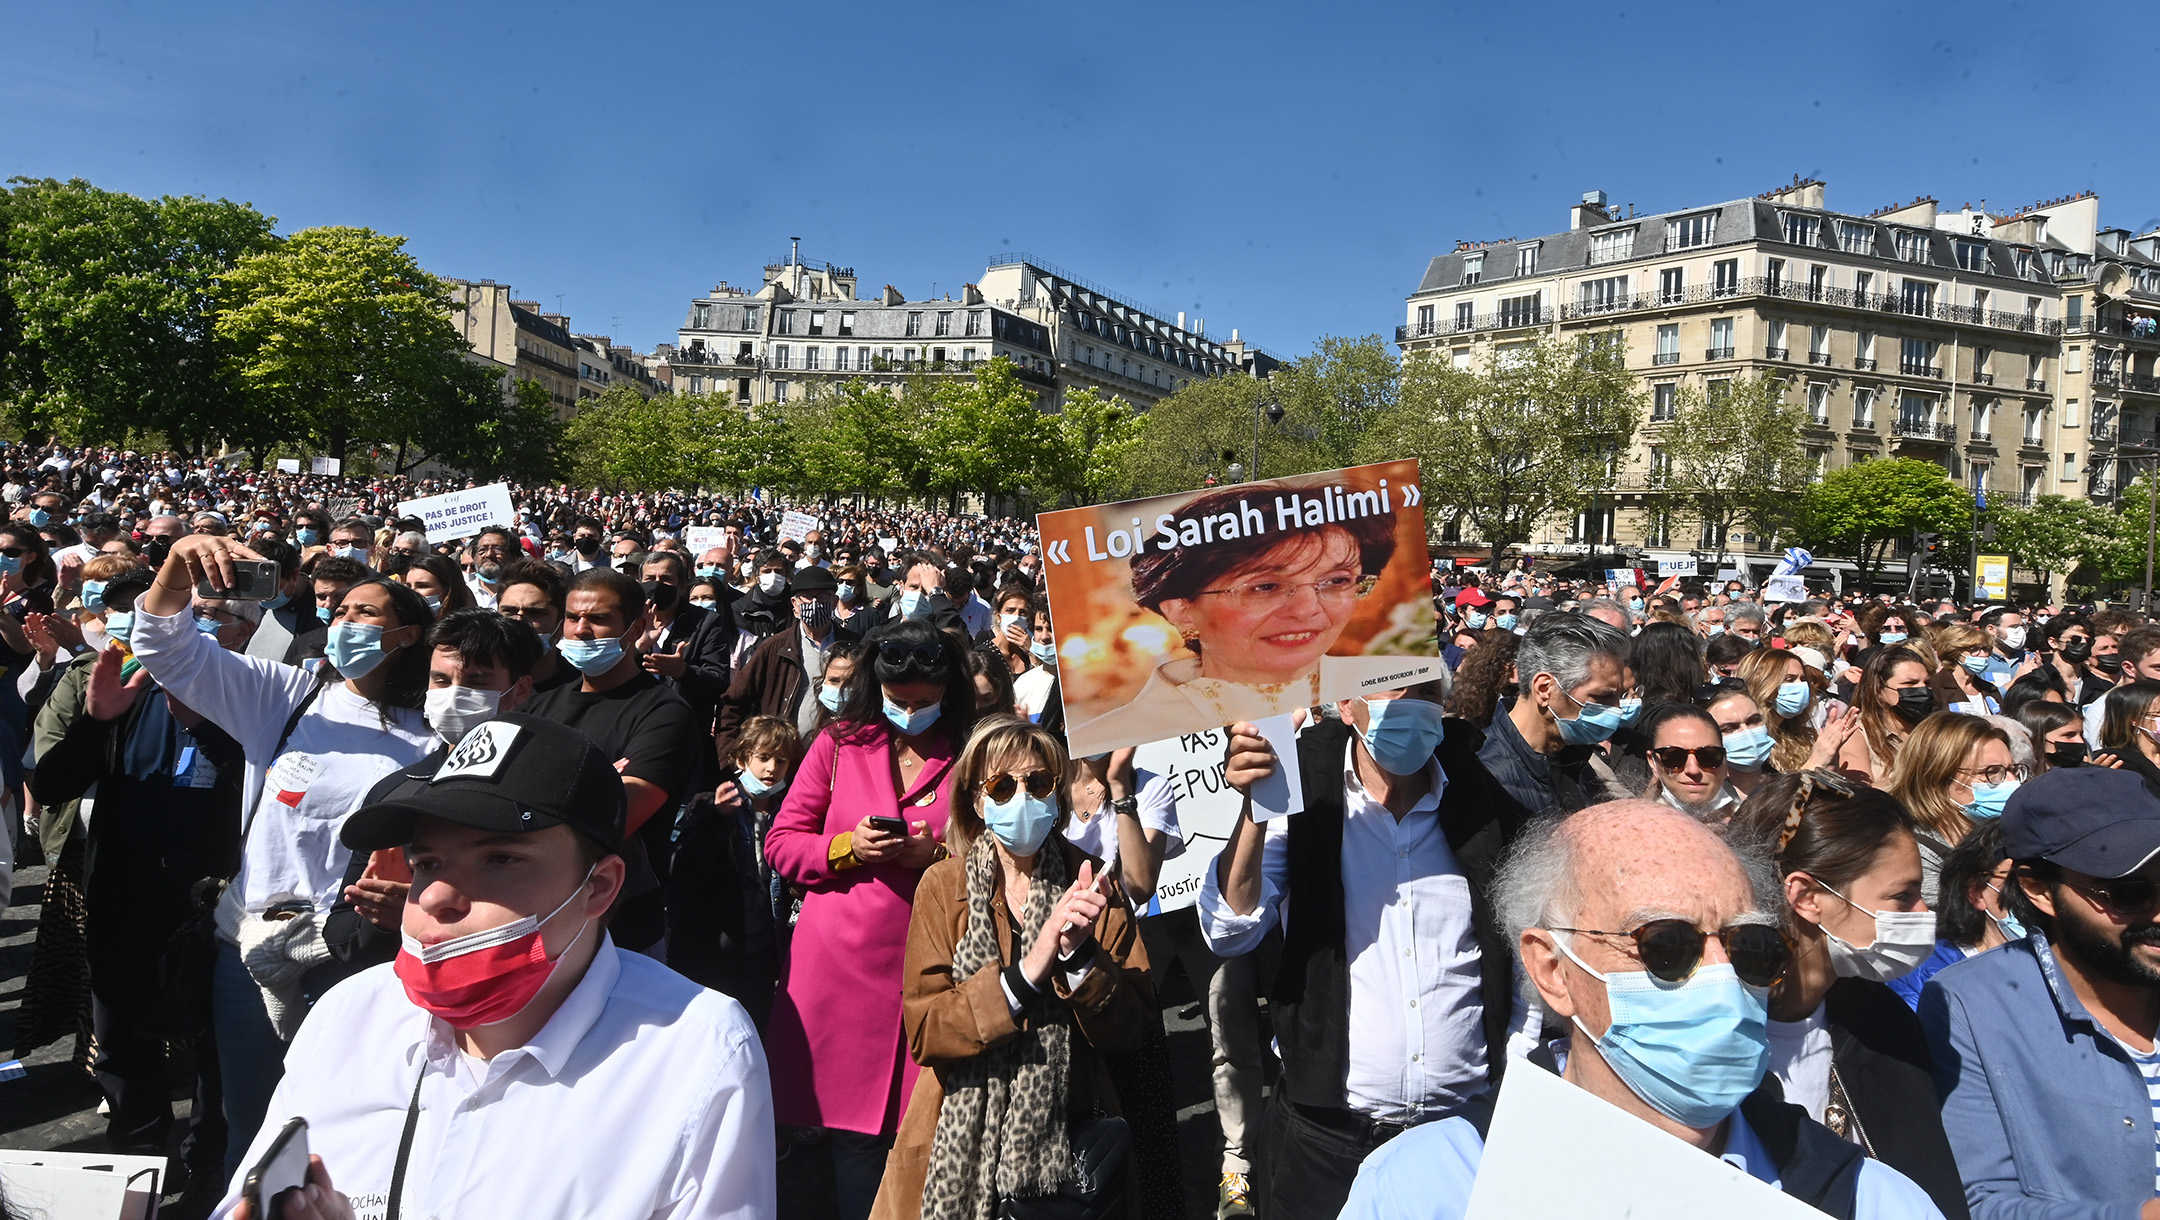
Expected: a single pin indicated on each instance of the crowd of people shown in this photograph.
(773, 847)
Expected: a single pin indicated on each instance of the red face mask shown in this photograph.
(483, 977)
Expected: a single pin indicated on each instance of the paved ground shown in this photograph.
(55, 1105)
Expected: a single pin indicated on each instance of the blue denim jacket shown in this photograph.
(2045, 1113)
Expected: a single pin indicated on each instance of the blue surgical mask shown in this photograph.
(1716, 629)
(829, 695)
(1045, 653)
(1021, 823)
(323, 613)
(355, 648)
(1693, 1050)
(119, 623)
(1591, 724)
(1891, 637)
(307, 537)
(279, 602)
(711, 571)
(433, 602)
(1476, 620)
(590, 657)
(2009, 925)
(913, 723)
(914, 604)
(1403, 733)
(1988, 799)
(1975, 665)
(1748, 749)
(40, 518)
(356, 553)
(10, 565)
(93, 595)
(1792, 697)
(207, 626)
(847, 592)
(753, 787)
(1630, 710)
(1505, 622)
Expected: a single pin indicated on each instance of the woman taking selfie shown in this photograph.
(1023, 966)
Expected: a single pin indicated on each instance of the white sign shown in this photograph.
(288, 465)
(1784, 589)
(1676, 567)
(81, 1185)
(1618, 1165)
(698, 539)
(1620, 576)
(1207, 810)
(325, 465)
(1728, 573)
(461, 514)
(796, 524)
(888, 545)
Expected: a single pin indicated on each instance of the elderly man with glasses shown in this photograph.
(2044, 1049)
(1656, 943)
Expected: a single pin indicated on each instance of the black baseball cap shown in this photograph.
(511, 774)
(2095, 820)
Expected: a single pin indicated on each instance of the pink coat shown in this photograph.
(834, 1043)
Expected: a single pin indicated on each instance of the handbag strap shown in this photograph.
(404, 1148)
(284, 735)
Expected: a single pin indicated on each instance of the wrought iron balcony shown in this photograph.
(1864, 364)
(1510, 319)
(1924, 430)
(1818, 358)
(2103, 433)
(1665, 358)
(1718, 353)
(1914, 368)
(2107, 377)
(1981, 436)
(2036, 385)
(2029, 441)
(1777, 353)
(1983, 378)
(1863, 423)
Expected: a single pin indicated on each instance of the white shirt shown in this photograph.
(1800, 1058)
(301, 796)
(1031, 691)
(2093, 713)
(645, 1095)
(483, 593)
(1097, 833)
(975, 614)
(1417, 1033)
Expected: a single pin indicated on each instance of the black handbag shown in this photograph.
(1095, 1189)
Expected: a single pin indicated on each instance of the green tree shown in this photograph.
(1860, 510)
(1331, 396)
(623, 441)
(1196, 433)
(1737, 457)
(1090, 440)
(855, 439)
(338, 335)
(2058, 535)
(110, 325)
(1537, 430)
(983, 435)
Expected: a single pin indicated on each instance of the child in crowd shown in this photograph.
(728, 908)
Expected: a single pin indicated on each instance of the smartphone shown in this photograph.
(281, 1169)
(890, 825)
(254, 580)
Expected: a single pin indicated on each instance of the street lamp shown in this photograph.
(1274, 412)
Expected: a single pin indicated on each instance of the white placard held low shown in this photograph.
(1282, 793)
(1618, 1166)
(326, 465)
(288, 465)
(461, 514)
(1207, 810)
(1784, 589)
(698, 539)
(81, 1185)
(795, 524)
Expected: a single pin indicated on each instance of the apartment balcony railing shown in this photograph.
(2142, 383)
(2140, 438)
(2030, 441)
(1777, 353)
(1717, 353)
(1818, 421)
(1981, 436)
(2103, 433)
(1863, 423)
(1914, 368)
(2125, 328)
(1863, 364)
(2036, 385)
(2107, 377)
(1924, 430)
(698, 357)
(1512, 319)
(1665, 358)
(1818, 358)
(1983, 379)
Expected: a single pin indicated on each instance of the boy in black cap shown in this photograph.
(512, 1062)
(2043, 1049)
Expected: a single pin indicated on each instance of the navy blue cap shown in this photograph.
(2094, 820)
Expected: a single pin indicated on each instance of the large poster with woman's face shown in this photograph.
(1182, 613)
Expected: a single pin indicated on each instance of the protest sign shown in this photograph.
(1207, 810)
(288, 465)
(698, 539)
(1618, 1165)
(461, 514)
(1676, 567)
(1992, 581)
(1182, 613)
(796, 525)
(81, 1185)
(1784, 589)
(1621, 576)
(326, 465)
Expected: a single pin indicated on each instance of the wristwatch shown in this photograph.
(1126, 807)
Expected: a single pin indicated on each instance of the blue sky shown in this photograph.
(1283, 169)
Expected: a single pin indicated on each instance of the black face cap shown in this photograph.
(2094, 820)
(512, 774)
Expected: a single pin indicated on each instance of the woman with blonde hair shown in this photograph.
(1779, 682)
(1891, 699)
(1024, 965)
(1963, 652)
(1954, 770)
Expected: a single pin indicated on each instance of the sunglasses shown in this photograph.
(2123, 895)
(1000, 788)
(901, 654)
(1670, 949)
(1672, 758)
(13, 552)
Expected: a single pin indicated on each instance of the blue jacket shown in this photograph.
(2045, 1113)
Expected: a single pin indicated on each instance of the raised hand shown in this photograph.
(106, 697)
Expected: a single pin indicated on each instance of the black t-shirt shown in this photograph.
(650, 726)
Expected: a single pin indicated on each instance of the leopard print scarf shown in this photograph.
(1001, 1131)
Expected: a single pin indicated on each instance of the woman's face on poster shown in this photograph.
(1271, 620)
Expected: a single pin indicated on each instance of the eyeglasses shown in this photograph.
(900, 654)
(1670, 949)
(1276, 592)
(13, 552)
(1998, 773)
(1000, 788)
(1672, 758)
(2122, 895)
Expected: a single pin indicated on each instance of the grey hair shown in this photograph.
(1744, 612)
(1609, 603)
(414, 537)
(1564, 643)
(2021, 742)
